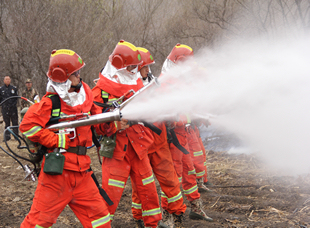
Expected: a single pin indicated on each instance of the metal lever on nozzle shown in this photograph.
(115, 104)
(29, 173)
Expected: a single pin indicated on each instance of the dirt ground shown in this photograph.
(245, 194)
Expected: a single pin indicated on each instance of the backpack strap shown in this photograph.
(56, 105)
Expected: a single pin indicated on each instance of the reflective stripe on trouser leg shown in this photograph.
(136, 205)
(199, 175)
(101, 221)
(148, 180)
(192, 172)
(198, 153)
(151, 212)
(189, 183)
(115, 174)
(191, 190)
(172, 199)
(116, 183)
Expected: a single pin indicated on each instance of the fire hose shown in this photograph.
(30, 174)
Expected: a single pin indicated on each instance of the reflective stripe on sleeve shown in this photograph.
(148, 180)
(37, 226)
(32, 131)
(116, 183)
(101, 221)
(152, 212)
(62, 140)
(180, 179)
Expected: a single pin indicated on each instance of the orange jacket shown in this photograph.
(137, 135)
(34, 123)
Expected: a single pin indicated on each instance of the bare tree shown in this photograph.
(31, 29)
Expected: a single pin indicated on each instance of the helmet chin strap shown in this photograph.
(78, 86)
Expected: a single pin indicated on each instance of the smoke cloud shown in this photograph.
(258, 89)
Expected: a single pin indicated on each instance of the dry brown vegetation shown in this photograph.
(245, 194)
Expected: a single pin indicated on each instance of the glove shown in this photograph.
(123, 124)
(106, 129)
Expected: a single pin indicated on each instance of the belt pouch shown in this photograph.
(107, 146)
(54, 163)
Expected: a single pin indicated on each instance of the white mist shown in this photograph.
(259, 90)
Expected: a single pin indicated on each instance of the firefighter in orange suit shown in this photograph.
(161, 162)
(196, 125)
(182, 161)
(198, 155)
(132, 141)
(73, 185)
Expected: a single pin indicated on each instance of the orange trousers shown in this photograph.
(184, 167)
(115, 174)
(197, 154)
(171, 196)
(205, 176)
(78, 190)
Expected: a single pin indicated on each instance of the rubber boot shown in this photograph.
(178, 220)
(197, 213)
(166, 221)
(201, 186)
(208, 184)
(139, 223)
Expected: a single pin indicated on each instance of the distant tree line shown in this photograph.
(31, 29)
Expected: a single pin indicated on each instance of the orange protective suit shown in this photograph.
(196, 152)
(163, 168)
(74, 186)
(183, 163)
(129, 157)
(205, 176)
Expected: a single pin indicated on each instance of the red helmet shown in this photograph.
(180, 52)
(63, 63)
(146, 57)
(125, 54)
